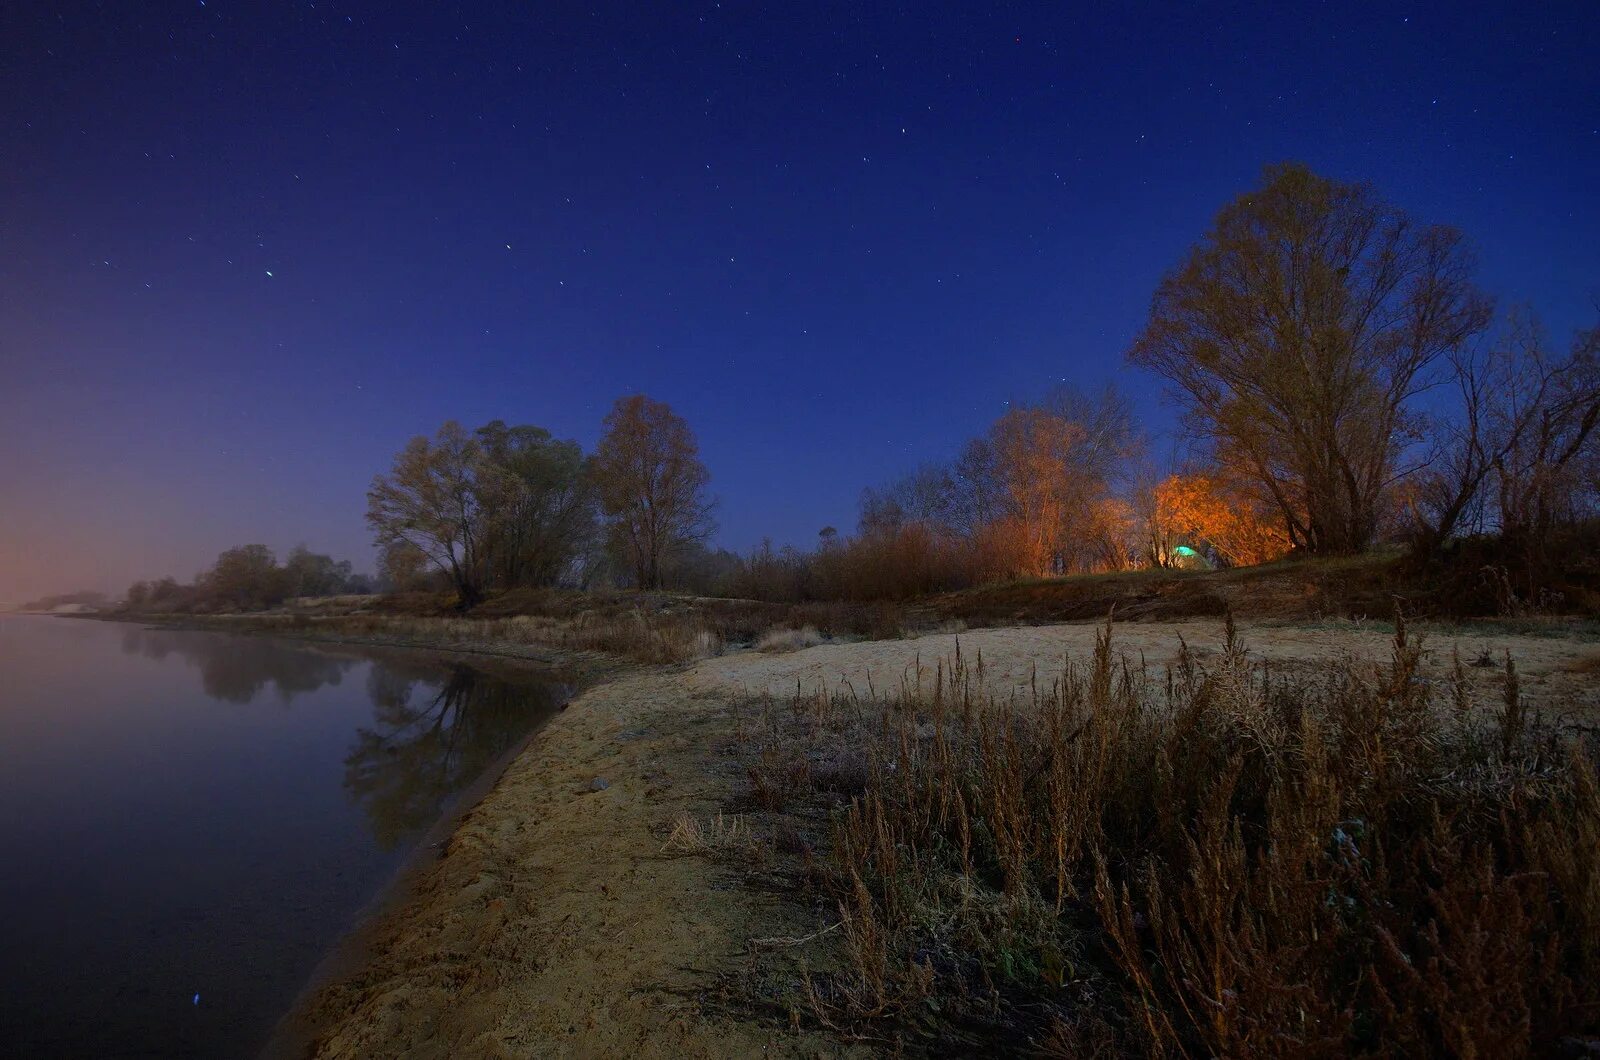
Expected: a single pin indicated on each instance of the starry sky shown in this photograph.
(248, 249)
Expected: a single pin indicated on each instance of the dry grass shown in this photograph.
(719, 834)
(637, 634)
(783, 639)
(643, 627)
(1589, 664)
(1202, 861)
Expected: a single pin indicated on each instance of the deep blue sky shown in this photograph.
(247, 250)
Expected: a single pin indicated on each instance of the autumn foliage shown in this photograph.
(1206, 512)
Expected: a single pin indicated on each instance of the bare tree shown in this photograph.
(1297, 335)
(1546, 416)
(1517, 455)
(439, 499)
(652, 484)
(927, 496)
(1039, 487)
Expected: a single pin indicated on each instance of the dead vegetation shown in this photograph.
(782, 638)
(1216, 859)
(651, 628)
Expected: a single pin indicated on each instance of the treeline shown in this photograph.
(1058, 487)
(1342, 380)
(250, 578)
(87, 599)
(1054, 487)
(1343, 384)
(496, 508)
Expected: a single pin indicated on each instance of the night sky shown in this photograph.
(247, 250)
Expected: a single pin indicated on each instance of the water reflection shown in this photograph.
(238, 669)
(432, 737)
(436, 727)
(178, 831)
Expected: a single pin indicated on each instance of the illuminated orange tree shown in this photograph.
(1206, 509)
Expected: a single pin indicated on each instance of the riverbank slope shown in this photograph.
(567, 918)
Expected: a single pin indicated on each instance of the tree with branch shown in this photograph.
(652, 485)
(1297, 336)
(439, 498)
(1519, 453)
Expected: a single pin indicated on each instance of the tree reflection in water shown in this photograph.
(435, 734)
(237, 669)
(436, 727)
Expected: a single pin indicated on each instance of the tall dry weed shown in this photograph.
(1217, 859)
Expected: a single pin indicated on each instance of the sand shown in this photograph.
(556, 923)
(1553, 670)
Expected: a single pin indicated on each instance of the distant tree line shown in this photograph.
(88, 600)
(250, 578)
(496, 508)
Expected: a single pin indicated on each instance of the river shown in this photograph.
(190, 820)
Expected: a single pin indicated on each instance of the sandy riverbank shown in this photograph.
(557, 922)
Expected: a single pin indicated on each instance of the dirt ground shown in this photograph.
(558, 924)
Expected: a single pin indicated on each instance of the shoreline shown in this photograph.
(547, 914)
(297, 1032)
(588, 665)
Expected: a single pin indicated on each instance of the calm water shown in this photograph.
(198, 813)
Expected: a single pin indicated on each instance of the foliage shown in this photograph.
(403, 567)
(438, 499)
(652, 485)
(246, 578)
(1298, 335)
(546, 517)
(497, 508)
(308, 573)
(1207, 511)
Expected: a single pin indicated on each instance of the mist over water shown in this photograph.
(196, 815)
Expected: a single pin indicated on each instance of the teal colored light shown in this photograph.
(1185, 550)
